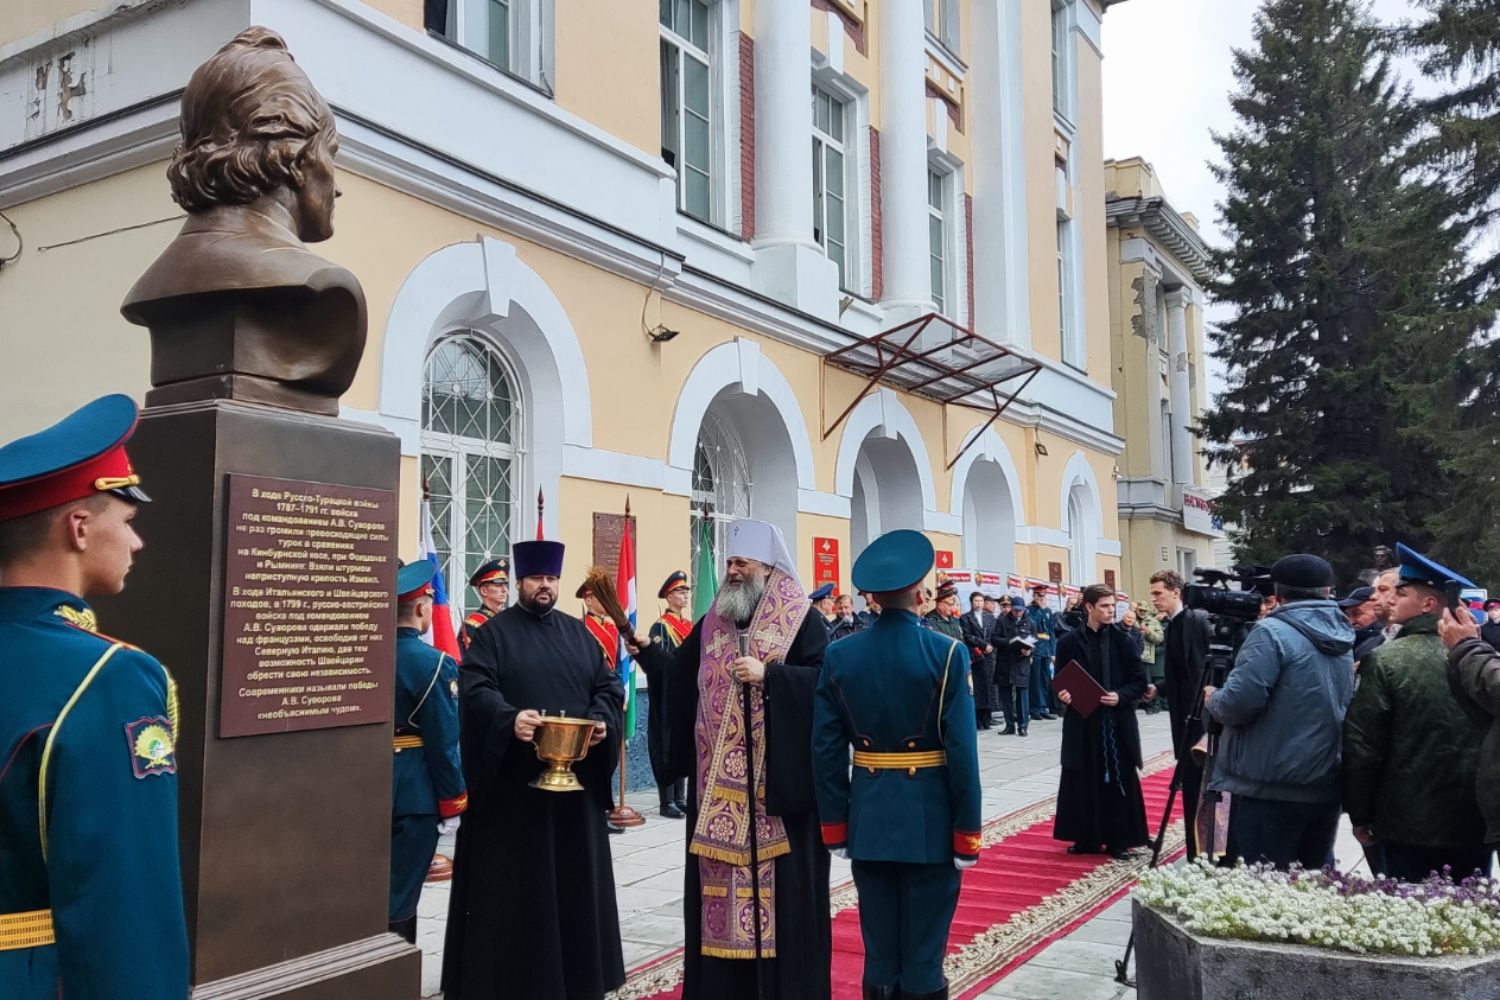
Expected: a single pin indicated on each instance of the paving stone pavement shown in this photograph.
(1015, 773)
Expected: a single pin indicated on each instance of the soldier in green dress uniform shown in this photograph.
(899, 694)
(427, 784)
(90, 886)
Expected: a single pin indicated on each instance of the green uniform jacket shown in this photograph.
(1474, 679)
(945, 625)
(1410, 751)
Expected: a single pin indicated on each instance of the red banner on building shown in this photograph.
(825, 562)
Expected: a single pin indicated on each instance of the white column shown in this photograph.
(1182, 408)
(789, 264)
(1001, 283)
(783, 124)
(903, 160)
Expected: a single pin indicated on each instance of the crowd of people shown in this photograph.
(780, 736)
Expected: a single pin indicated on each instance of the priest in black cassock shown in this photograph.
(532, 912)
(758, 638)
(1099, 797)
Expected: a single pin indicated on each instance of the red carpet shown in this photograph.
(1025, 893)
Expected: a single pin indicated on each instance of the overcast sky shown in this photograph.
(1167, 79)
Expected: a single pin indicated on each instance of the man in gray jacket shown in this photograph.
(1283, 709)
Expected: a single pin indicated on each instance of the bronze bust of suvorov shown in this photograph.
(238, 307)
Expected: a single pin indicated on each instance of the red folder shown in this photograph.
(1084, 690)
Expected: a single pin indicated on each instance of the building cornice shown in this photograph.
(1167, 227)
(691, 268)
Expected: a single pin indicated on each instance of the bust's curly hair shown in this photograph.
(250, 120)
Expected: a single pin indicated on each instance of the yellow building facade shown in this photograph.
(1158, 267)
(607, 245)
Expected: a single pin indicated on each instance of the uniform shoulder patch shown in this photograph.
(453, 689)
(151, 747)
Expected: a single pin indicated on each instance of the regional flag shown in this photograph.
(625, 588)
(442, 635)
(706, 573)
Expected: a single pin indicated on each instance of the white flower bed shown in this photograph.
(1328, 910)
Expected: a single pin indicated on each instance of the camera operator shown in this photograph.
(1188, 636)
(1283, 710)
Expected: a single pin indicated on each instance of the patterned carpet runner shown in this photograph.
(1025, 893)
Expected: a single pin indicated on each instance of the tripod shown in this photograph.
(1217, 660)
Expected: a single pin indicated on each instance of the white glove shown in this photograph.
(961, 864)
(448, 826)
(840, 852)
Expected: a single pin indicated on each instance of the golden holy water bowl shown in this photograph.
(560, 742)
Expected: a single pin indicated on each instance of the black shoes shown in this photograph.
(1021, 731)
(1120, 853)
(613, 827)
(1008, 731)
(1082, 849)
(671, 810)
(879, 992)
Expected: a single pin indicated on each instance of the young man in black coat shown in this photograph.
(976, 624)
(1099, 796)
(1188, 634)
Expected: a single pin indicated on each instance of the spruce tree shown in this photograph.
(1339, 274)
(1458, 43)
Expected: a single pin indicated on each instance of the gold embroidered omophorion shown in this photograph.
(732, 789)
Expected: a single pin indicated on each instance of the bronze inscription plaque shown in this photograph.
(609, 534)
(309, 615)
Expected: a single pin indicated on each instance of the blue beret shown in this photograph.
(824, 591)
(1302, 570)
(894, 561)
(677, 579)
(1417, 568)
(413, 579)
(538, 558)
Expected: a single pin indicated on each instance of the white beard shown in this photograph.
(737, 601)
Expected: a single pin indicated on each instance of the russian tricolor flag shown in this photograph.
(625, 587)
(443, 635)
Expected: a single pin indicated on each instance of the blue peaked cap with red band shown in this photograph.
(80, 456)
(414, 580)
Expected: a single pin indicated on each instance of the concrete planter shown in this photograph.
(1174, 964)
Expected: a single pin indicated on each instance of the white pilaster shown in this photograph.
(1182, 409)
(783, 124)
(903, 160)
(1001, 283)
(789, 264)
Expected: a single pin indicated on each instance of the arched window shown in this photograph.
(721, 487)
(471, 456)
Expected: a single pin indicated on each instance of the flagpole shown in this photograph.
(622, 814)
